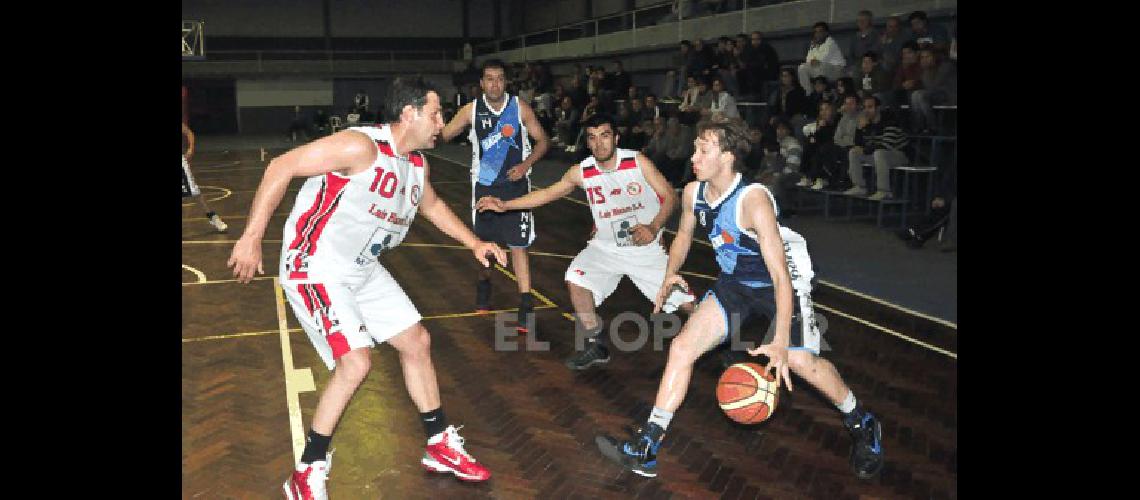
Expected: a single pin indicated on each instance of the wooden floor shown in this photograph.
(527, 417)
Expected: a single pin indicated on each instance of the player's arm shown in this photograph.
(536, 132)
(439, 214)
(347, 152)
(679, 249)
(571, 179)
(189, 134)
(761, 219)
(663, 189)
(458, 123)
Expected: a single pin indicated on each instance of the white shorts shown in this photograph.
(189, 187)
(341, 317)
(599, 270)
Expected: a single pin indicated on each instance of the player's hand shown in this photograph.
(490, 203)
(777, 361)
(642, 234)
(481, 250)
(245, 258)
(938, 202)
(517, 172)
(666, 289)
(189, 154)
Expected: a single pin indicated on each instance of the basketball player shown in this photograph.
(501, 157)
(630, 201)
(363, 190)
(765, 270)
(190, 188)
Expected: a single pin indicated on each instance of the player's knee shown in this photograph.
(355, 364)
(419, 345)
(683, 350)
(801, 361)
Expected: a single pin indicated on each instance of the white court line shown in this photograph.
(219, 166)
(201, 276)
(888, 330)
(296, 380)
(222, 197)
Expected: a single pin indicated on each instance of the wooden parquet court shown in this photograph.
(525, 415)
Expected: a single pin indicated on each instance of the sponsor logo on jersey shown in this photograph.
(416, 194)
(634, 188)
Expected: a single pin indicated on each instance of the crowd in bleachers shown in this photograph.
(814, 124)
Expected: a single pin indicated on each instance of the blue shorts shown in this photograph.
(745, 302)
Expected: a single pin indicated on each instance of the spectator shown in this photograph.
(925, 34)
(819, 145)
(352, 118)
(698, 101)
(681, 9)
(703, 59)
(879, 140)
(591, 109)
(652, 109)
(298, 129)
(873, 79)
(939, 86)
(891, 42)
(721, 101)
(725, 64)
(865, 40)
(761, 64)
(943, 215)
(678, 149)
(788, 102)
(361, 102)
(844, 87)
(831, 161)
(755, 159)
(908, 76)
(781, 168)
(566, 120)
(820, 93)
(321, 122)
(577, 93)
(824, 57)
(619, 81)
(683, 62)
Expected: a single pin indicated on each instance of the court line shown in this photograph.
(220, 166)
(888, 330)
(293, 330)
(201, 276)
(296, 381)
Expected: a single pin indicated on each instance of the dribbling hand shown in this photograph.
(777, 361)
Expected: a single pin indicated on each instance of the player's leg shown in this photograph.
(520, 263)
(330, 316)
(591, 277)
(190, 187)
(482, 224)
(390, 316)
(707, 327)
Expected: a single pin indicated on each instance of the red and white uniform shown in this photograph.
(339, 225)
(619, 199)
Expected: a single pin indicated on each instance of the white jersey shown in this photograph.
(620, 199)
(340, 224)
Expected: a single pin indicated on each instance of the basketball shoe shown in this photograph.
(217, 223)
(308, 481)
(866, 444)
(639, 454)
(445, 453)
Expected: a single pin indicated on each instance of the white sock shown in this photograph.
(660, 417)
(848, 403)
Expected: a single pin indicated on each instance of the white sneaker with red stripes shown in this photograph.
(445, 453)
(308, 481)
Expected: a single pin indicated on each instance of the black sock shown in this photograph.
(526, 301)
(434, 422)
(597, 337)
(316, 446)
(211, 214)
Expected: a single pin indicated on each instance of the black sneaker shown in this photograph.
(595, 354)
(639, 454)
(866, 446)
(483, 295)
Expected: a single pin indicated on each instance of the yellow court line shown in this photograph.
(889, 331)
(201, 276)
(294, 381)
(533, 291)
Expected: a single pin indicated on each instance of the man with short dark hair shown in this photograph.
(365, 186)
(502, 126)
(927, 35)
(879, 140)
(824, 57)
(761, 64)
(891, 42)
(872, 79)
(866, 40)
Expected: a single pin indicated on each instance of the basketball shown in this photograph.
(747, 394)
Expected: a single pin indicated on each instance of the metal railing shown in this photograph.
(633, 20)
(331, 56)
